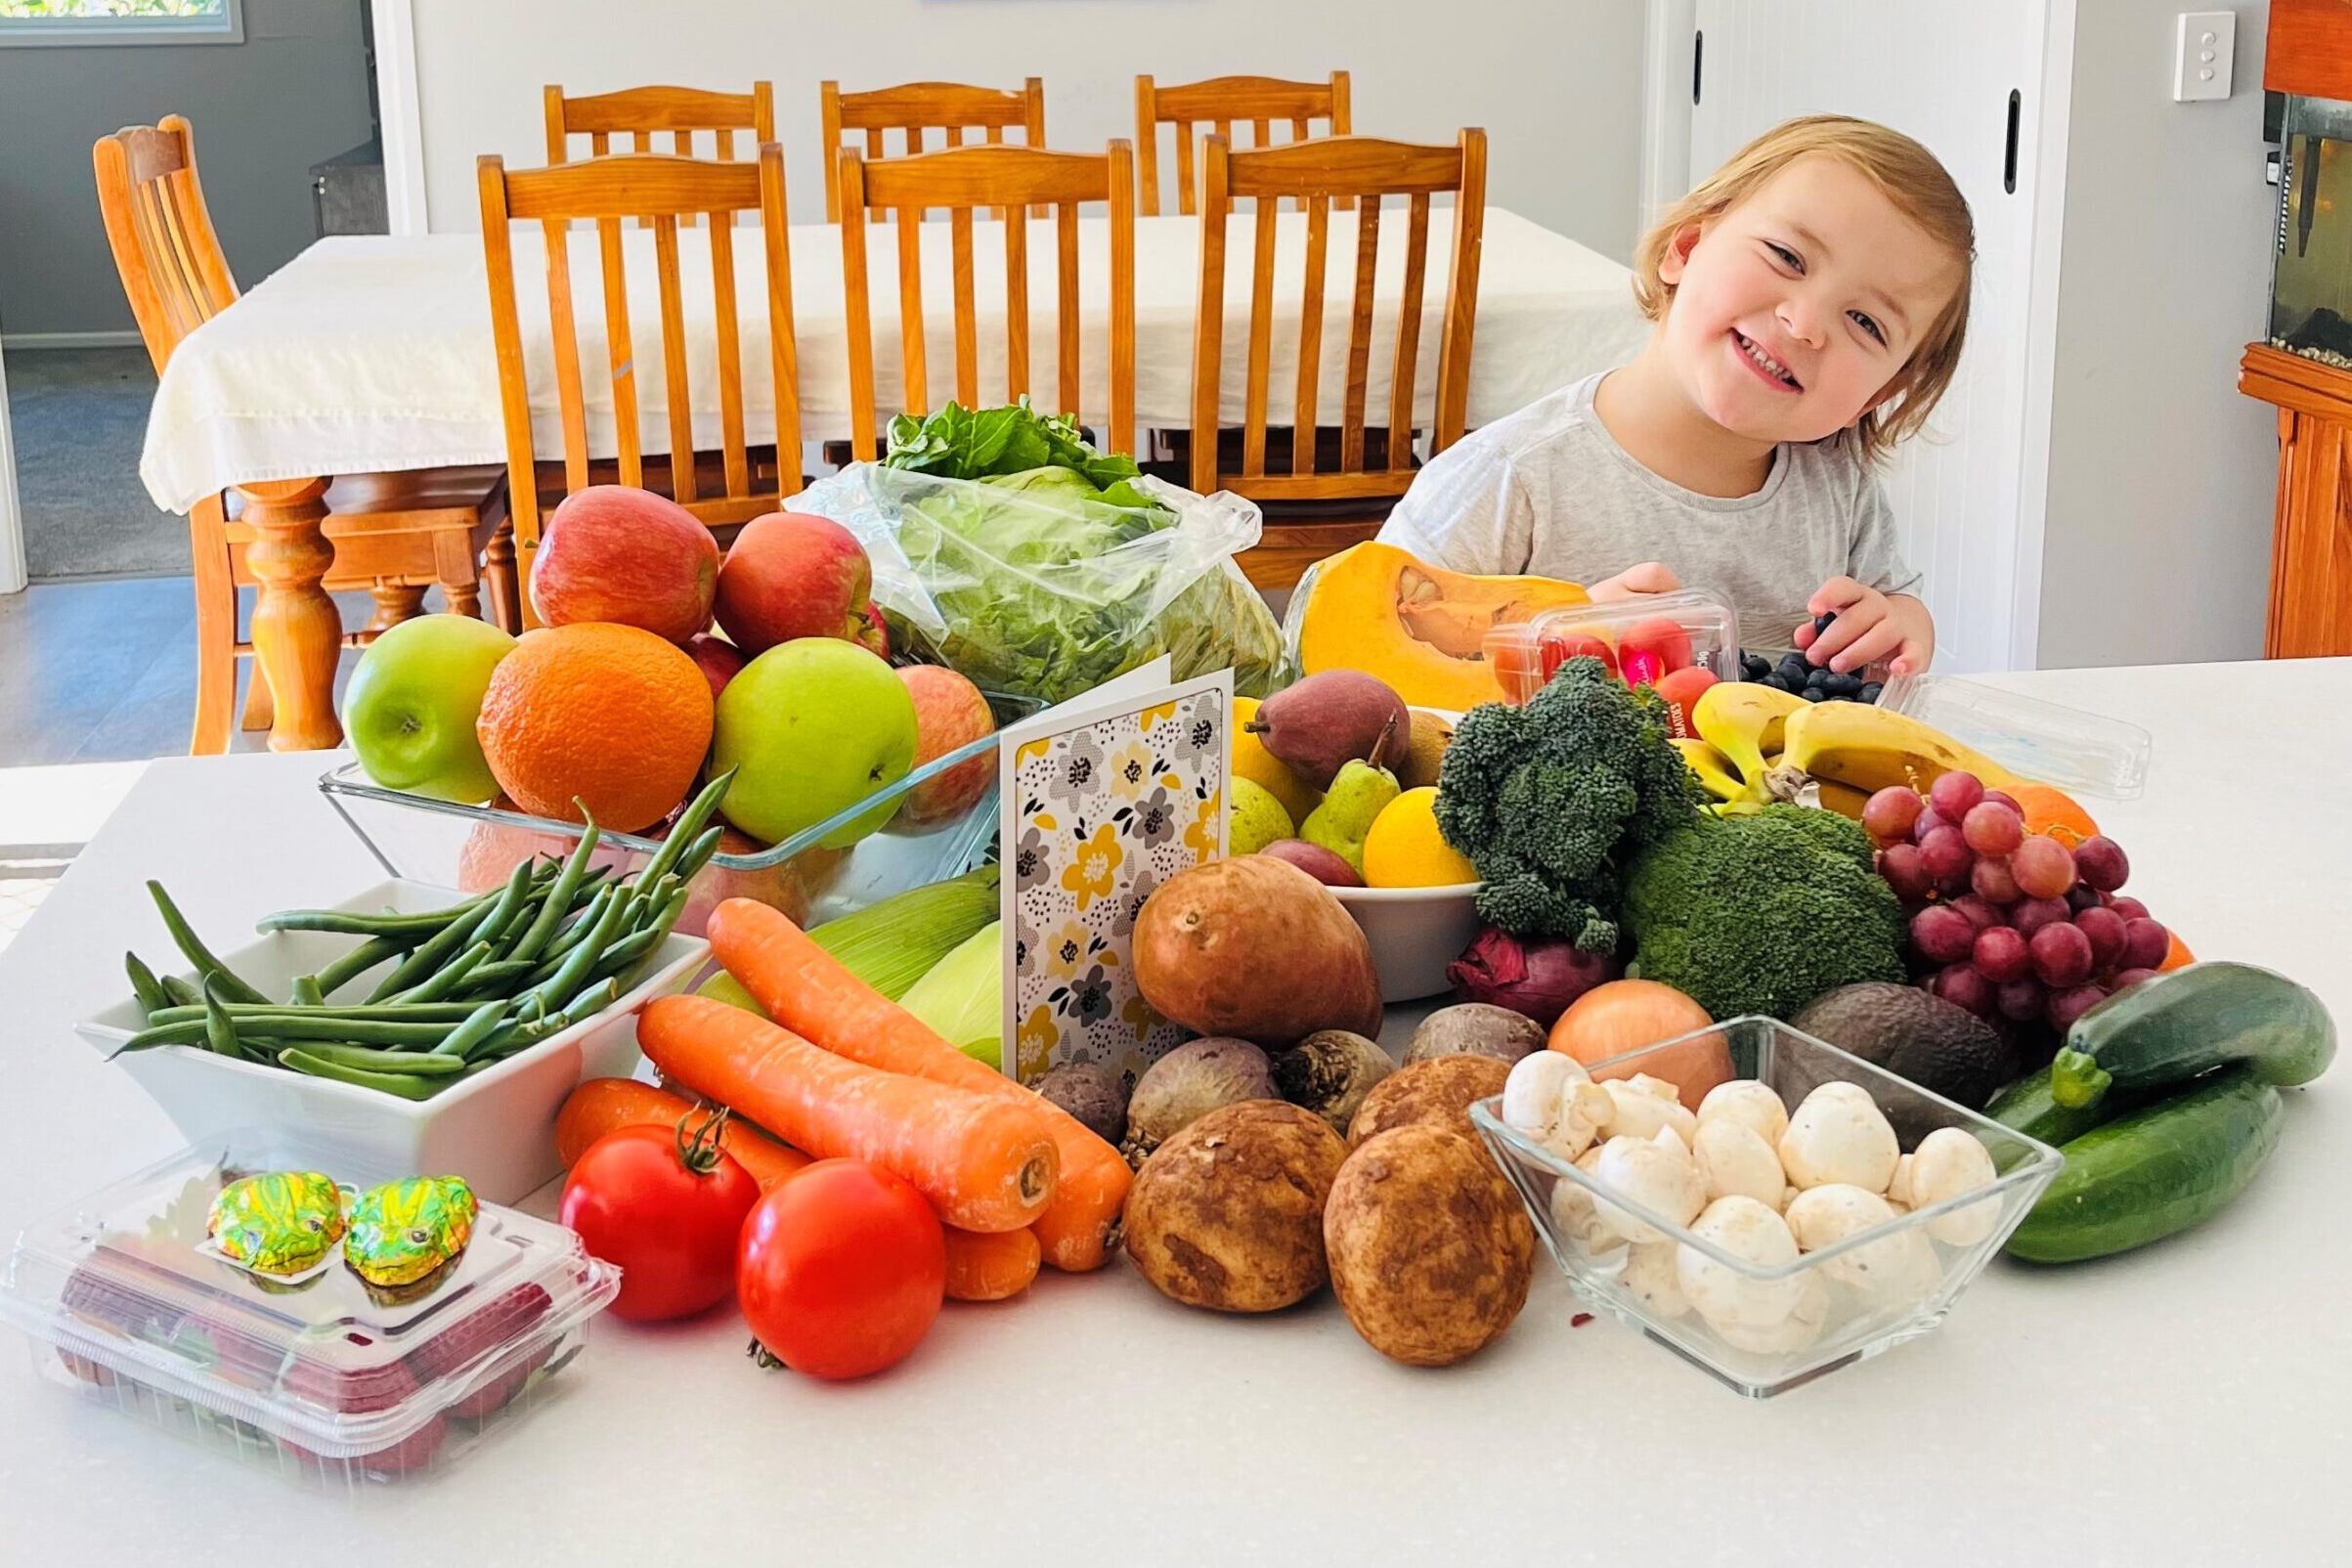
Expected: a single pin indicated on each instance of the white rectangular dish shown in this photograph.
(496, 1128)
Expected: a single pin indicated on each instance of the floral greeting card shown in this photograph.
(1104, 800)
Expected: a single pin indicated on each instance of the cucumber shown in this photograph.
(2154, 1172)
(2177, 1027)
(2027, 1107)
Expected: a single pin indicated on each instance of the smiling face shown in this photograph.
(1795, 311)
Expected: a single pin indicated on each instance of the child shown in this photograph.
(1810, 300)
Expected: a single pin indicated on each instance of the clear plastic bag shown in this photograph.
(1029, 583)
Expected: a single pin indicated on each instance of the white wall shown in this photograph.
(1556, 83)
(2157, 543)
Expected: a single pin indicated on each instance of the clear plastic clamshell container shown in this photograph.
(2077, 752)
(1641, 641)
(327, 1381)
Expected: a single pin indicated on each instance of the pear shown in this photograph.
(1358, 795)
(1425, 752)
(1258, 819)
(1329, 719)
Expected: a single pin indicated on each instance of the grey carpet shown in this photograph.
(79, 416)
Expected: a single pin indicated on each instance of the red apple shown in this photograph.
(949, 711)
(873, 632)
(611, 553)
(790, 575)
(1322, 864)
(717, 657)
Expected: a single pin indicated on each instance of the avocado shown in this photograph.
(1914, 1035)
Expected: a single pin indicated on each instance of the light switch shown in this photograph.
(2206, 46)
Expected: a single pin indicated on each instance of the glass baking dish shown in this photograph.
(1855, 1322)
(475, 848)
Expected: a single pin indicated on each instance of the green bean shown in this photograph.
(220, 1035)
(206, 964)
(453, 938)
(638, 944)
(423, 1064)
(483, 1065)
(180, 992)
(298, 1025)
(596, 1000)
(698, 855)
(344, 921)
(495, 979)
(357, 962)
(441, 983)
(381, 1013)
(514, 1034)
(576, 962)
(558, 900)
(478, 1027)
(306, 992)
(689, 824)
(605, 898)
(407, 1085)
(511, 897)
(152, 998)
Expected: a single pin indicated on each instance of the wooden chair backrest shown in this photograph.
(963, 180)
(639, 114)
(1260, 103)
(663, 189)
(947, 108)
(160, 232)
(1367, 169)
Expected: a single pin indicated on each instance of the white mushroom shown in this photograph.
(1650, 1278)
(1641, 1105)
(1549, 1097)
(1894, 1271)
(1807, 1317)
(1732, 1157)
(1658, 1174)
(1574, 1215)
(1840, 1135)
(1748, 1100)
(1948, 1162)
(1898, 1190)
(1788, 1196)
(1726, 1299)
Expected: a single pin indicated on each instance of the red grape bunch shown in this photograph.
(2006, 923)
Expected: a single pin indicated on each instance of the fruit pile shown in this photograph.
(2006, 923)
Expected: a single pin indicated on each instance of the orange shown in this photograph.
(596, 715)
(2053, 812)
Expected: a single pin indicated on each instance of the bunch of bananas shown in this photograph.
(1758, 745)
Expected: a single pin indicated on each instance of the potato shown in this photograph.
(1475, 1028)
(1228, 1213)
(1253, 947)
(1431, 1250)
(1440, 1090)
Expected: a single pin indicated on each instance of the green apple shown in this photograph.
(812, 727)
(412, 705)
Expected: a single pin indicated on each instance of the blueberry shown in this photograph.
(1813, 694)
(1845, 685)
(1821, 677)
(1795, 667)
(1773, 682)
(1755, 664)
(1871, 690)
(1821, 623)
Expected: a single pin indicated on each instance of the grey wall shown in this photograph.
(294, 93)
(2158, 542)
(1556, 83)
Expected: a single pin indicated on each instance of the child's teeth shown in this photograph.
(1763, 358)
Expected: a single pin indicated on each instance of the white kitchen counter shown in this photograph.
(2188, 1403)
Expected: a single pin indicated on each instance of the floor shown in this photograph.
(78, 417)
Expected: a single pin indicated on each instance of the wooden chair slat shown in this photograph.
(1409, 334)
(734, 456)
(1017, 307)
(1310, 334)
(619, 348)
(674, 388)
(1146, 146)
(913, 347)
(1359, 337)
(1184, 197)
(1461, 298)
(783, 344)
(1261, 332)
(1121, 198)
(1068, 393)
(564, 328)
(857, 308)
(967, 316)
(1208, 319)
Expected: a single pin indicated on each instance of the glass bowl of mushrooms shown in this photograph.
(1763, 1203)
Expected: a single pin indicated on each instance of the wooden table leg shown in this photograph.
(297, 632)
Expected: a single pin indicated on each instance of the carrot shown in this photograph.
(989, 1267)
(985, 1166)
(605, 1104)
(805, 989)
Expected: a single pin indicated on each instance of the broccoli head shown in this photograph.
(1551, 800)
(1762, 913)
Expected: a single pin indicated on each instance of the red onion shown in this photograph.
(1537, 977)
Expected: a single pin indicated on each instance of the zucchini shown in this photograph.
(2154, 1172)
(2174, 1028)
(2027, 1107)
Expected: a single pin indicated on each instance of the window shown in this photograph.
(121, 21)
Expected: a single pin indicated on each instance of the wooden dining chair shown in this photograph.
(640, 113)
(1324, 491)
(963, 181)
(394, 535)
(740, 480)
(1261, 105)
(948, 109)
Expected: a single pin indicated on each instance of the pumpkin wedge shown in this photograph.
(1419, 628)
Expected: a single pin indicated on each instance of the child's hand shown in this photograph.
(1650, 577)
(1870, 627)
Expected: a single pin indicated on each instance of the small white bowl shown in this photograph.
(495, 1130)
(1415, 934)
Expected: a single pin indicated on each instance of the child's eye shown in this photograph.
(1788, 257)
(1868, 325)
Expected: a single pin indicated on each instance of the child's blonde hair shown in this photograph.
(1920, 189)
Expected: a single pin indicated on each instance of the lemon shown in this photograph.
(1253, 762)
(1405, 849)
(1258, 819)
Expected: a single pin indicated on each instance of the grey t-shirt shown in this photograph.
(1549, 490)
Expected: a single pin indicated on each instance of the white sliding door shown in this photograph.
(12, 521)
(1944, 71)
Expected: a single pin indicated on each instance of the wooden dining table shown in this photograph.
(373, 356)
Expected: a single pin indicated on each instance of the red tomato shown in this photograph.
(1664, 638)
(842, 1269)
(666, 1206)
(1557, 649)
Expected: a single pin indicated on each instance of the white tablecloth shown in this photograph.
(367, 354)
